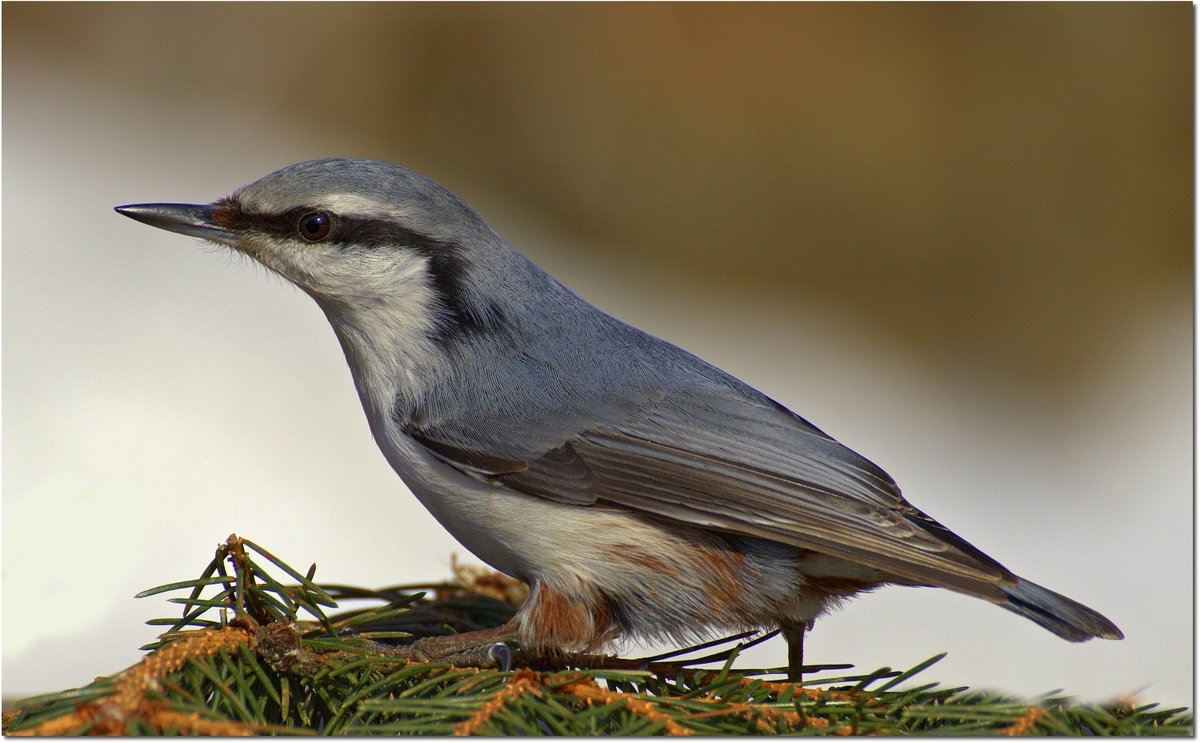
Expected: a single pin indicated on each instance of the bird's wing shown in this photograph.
(718, 457)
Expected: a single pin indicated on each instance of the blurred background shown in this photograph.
(956, 237)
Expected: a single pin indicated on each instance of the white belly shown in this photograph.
(517, 534)
(661, 576)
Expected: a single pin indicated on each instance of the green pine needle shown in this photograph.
(260, 648)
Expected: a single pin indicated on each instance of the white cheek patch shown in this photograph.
(380, 304)
(357, 277)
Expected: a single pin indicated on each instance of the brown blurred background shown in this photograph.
(892, 207)
(930, 167)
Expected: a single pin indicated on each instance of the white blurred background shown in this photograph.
(956, 237)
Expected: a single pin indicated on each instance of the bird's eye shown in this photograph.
(314, 226)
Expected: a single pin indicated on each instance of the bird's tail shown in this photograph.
(1068, 619)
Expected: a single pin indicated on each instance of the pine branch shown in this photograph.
(259, 648)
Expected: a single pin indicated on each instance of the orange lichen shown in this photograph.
(760, 714)
(779, 687)
(523, 682)
(591, 692)
(128, 700)
(1024, 723)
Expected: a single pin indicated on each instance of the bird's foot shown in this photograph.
(793, 632)
(481, 649)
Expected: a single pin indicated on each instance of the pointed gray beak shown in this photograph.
(195, 220)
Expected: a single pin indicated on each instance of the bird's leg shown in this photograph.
(793, 632)
(482, 648)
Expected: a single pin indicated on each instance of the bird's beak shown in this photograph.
(195, 220)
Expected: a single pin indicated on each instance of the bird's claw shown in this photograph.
(502, 655)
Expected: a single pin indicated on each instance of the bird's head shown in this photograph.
(362, 237)
(413, 281)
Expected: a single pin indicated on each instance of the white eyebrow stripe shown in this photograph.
(348, 204)
(363, 207)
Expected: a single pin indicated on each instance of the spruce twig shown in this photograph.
(260, 648)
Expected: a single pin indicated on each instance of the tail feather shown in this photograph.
(1068, 619)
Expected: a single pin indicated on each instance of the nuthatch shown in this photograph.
(638, 490)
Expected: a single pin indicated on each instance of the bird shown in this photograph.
(638, 490)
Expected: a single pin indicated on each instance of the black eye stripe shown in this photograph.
(345, 231)
(448, 262)
(285, 225)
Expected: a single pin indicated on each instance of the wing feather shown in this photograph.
(694, 488)
(718, 454)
